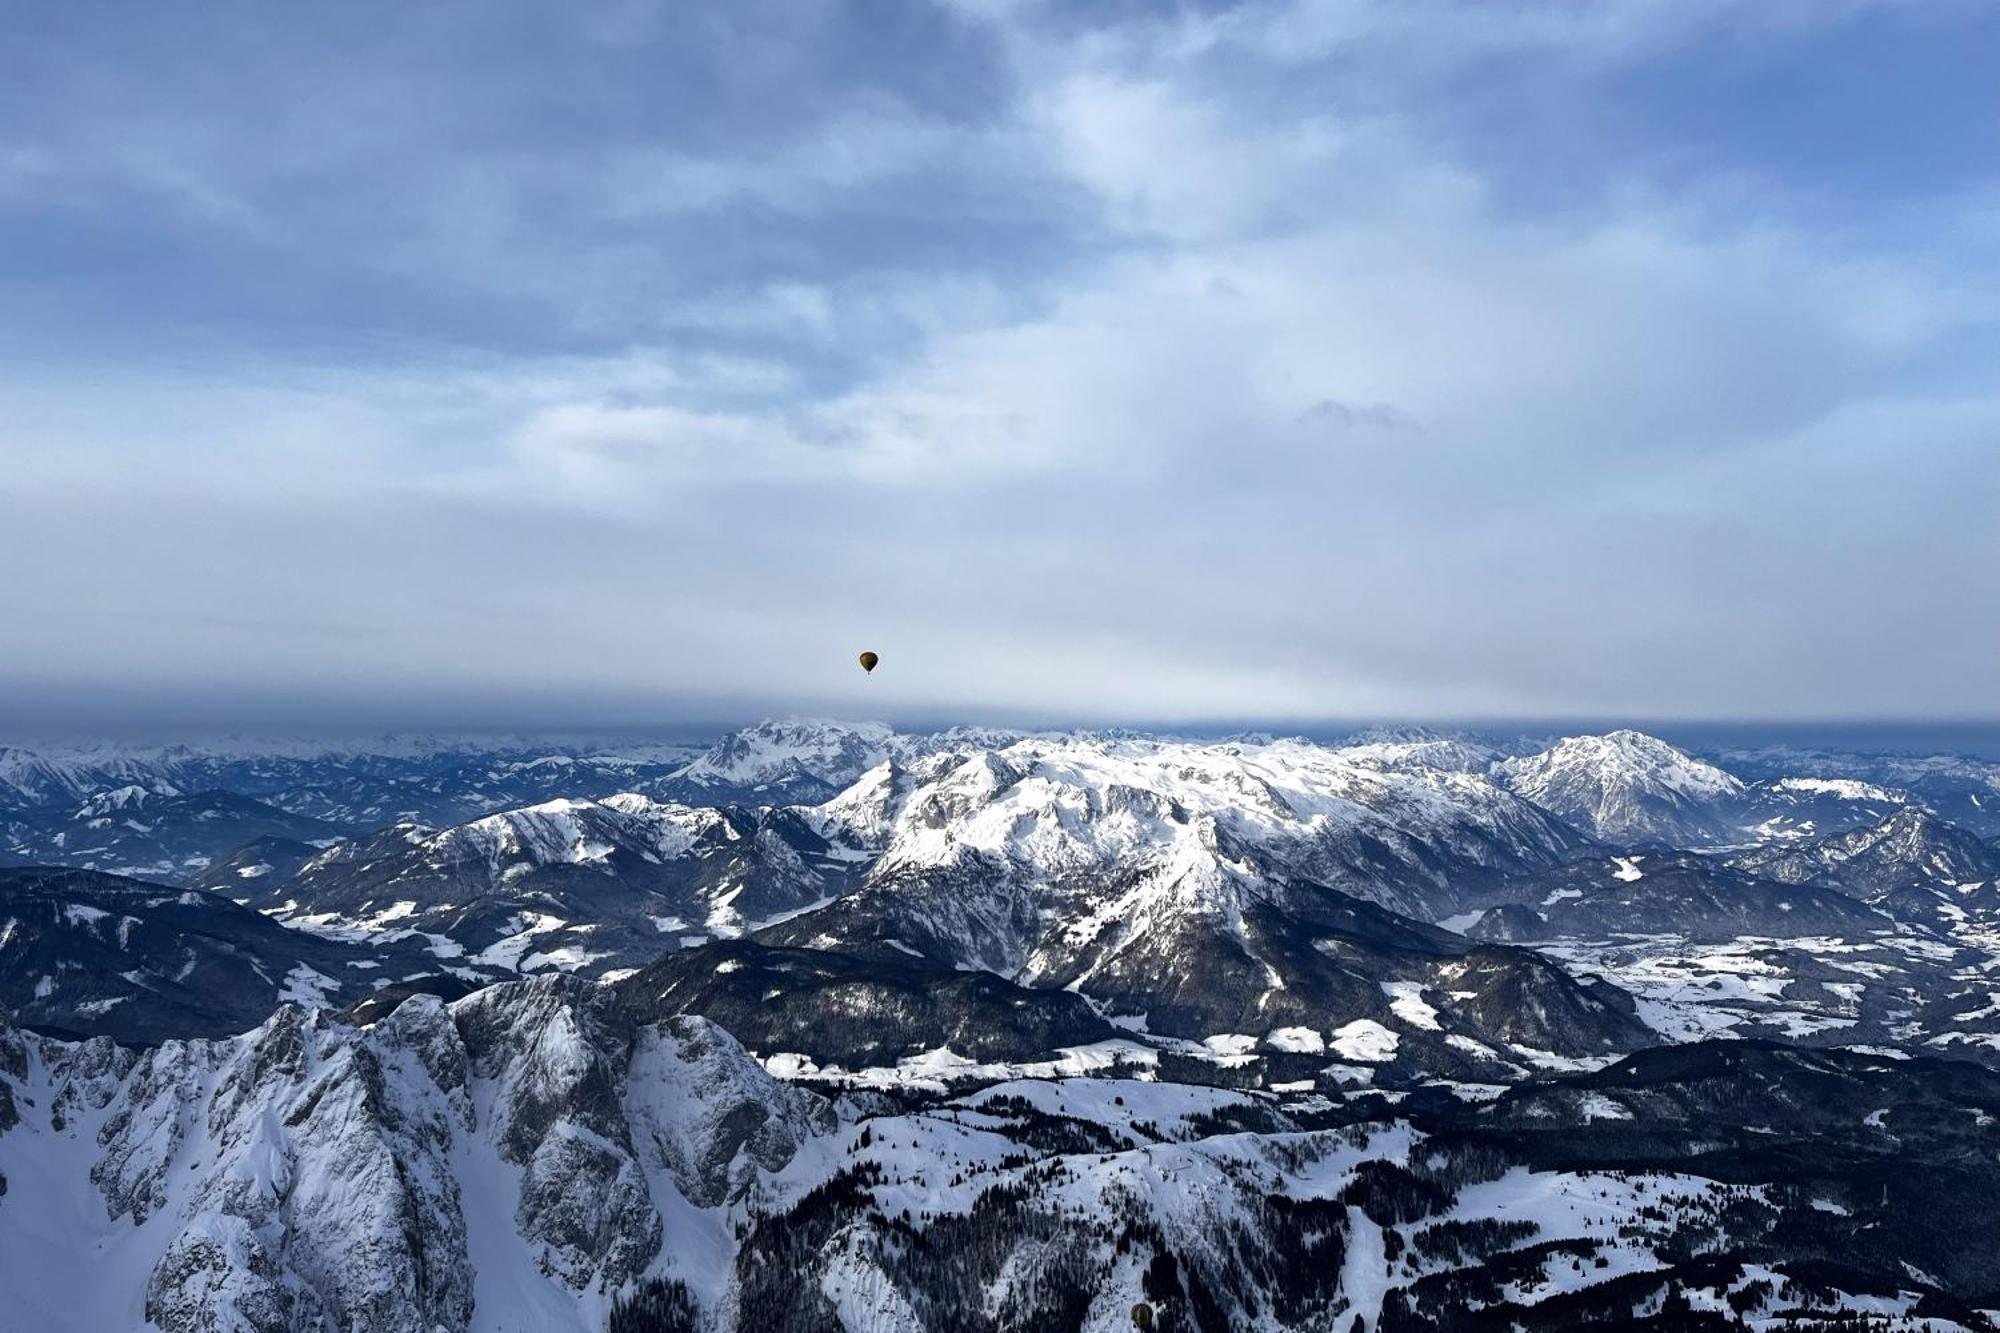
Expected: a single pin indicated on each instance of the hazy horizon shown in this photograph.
(1979, 738)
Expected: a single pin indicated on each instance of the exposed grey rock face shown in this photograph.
(302, 1174)
(698, 1107)
(314, 1175)
(559, 1049)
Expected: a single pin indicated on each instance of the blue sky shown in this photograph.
(543, 362)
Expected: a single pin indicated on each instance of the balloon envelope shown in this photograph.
(868, 661)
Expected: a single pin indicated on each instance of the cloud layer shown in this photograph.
(1290, 359)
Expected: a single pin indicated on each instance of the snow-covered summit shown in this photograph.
(1628, 787)
(1845, 789)
(1452, 754)
(1202, 884)
(769, 750)
(120, 800)
(573, 831)
(806, 760)
(32, 777)
(787, 761)
(1061, 806)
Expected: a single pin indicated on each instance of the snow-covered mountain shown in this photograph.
(803, 761)
(795, 761)
(1090, 811)
(525, 1153)
(38, 777)
(1451, 754)
(1170, 880)
(1964, 789)
(538, 1156)
(458, 787)
(1214, 891)
(1404, 836)
(1911, 864)
(1631, 789)
(997, 1032)
(1229, 891)
(1794, 808)
(355, 784)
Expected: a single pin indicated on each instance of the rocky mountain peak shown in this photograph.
(1629, 787)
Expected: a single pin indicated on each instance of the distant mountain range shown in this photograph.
(1421, 1029)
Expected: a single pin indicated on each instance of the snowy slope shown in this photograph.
(1964, 789)
(1793, 809)
(356, 783)
(157, 832)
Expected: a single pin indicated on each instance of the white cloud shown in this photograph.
(1303, 414)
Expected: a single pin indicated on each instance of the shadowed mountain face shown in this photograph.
(841, 1010)
(352, 785)
(1686, 897)
(1961, 789)
(1858, 1095)
(160, 834)
(729, 864)
(85, 953)
(1274, 974)
(594, 886)
(1795, 808)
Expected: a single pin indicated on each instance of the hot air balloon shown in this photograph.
(868, 661)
